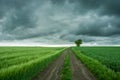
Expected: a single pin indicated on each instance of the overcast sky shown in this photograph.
(96, 22)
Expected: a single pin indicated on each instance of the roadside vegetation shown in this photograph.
(66, 70)
(23, 63)
(97, 59)
(109, 56)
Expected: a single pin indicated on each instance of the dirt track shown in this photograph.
(52, 72)
(79, 71)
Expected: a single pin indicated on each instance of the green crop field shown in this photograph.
(101, 60)
(109, 56)
(23, 63)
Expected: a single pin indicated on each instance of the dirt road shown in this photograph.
(79, 71)
(53, 71)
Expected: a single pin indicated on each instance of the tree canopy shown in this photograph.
(78, 42)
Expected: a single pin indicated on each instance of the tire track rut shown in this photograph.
(52, 72)
(79, 71)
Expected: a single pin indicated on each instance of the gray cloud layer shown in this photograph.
(60, 21)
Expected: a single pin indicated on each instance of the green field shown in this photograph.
(109, 56)
(23, 63)
(104, 62)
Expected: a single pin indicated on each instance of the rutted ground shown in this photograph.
(79, 71)
(53, 71)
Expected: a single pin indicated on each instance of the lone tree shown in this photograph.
(78, 42)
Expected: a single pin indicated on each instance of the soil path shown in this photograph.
(79, 71)
(52, 72)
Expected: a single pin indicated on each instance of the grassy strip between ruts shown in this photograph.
(98, 69)
(28, 70)
(66, 70)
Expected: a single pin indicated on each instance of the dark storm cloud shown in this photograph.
(6, 5)
(58, 1)
(108, 7)
(98, 28)
(62, 20)
(15, 14)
